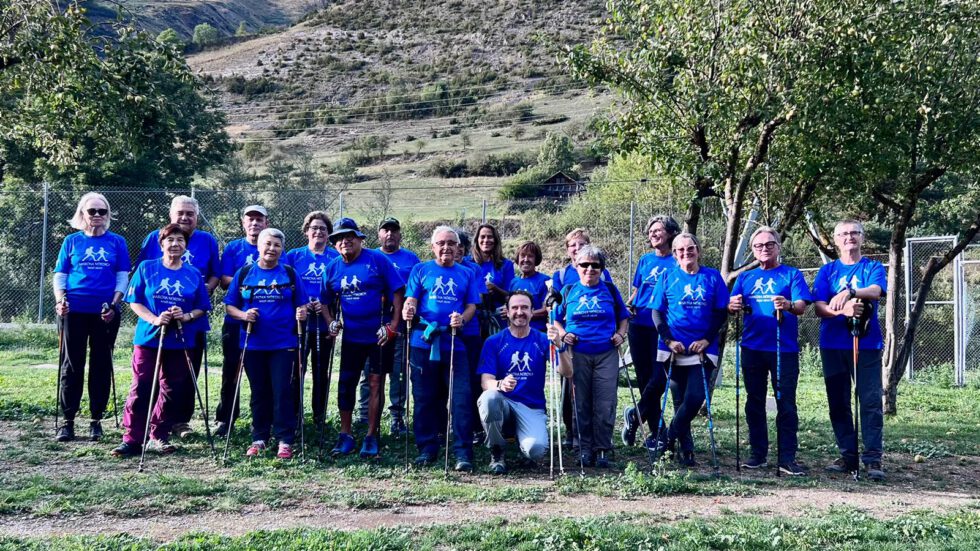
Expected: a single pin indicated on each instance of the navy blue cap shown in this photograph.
(343, 227)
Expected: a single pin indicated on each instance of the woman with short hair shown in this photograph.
(89, 280)
(528, 257)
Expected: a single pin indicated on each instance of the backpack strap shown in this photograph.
(612, 294)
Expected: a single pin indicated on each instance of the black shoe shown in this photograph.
(587, 459)
(463, 465)
(602, 460)
(792, 469)
(875, 472)
(221, 430)
(127, 450)
(631, 422)
(66, 433)
(686, 459)
(398, 427)
(479, 437)
(497, 464)
(755, 463)
(95, 431)
(425, 459)
(841, 465)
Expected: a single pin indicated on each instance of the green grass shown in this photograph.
(839, 529)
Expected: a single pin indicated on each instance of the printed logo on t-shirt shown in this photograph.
(518, 364)
(170, 289)
(250, 259)
(655, 274)
(315, 270)
(187, 257)
(764, 287)
(95, 256)
(842, 284)
(693, 296)
(589, 305)
(395, 264)
(270, 289)
(447, 288)
(352, 286)
(489, 277)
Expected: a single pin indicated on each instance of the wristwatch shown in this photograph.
(851, 292)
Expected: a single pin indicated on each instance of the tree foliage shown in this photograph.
(114, 107)
(205, 34)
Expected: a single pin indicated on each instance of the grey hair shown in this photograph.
(443, 229)
(849, 221)
(593, 252)
(78, 220)
(671, 225)
(272, 232)
(185, 199)
(766, 229)
(691, 236)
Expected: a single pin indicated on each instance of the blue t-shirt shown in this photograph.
(592, 313)
(310, 268)
(689, 301)
(91, 263)
(237, 253)
(834, 278)
(757, 288)
(501, 277)
(648, 271)
(537, 285)
(361, 285)
(440, 291)
(403, 260)
(201, 253)
(525, 359)
(568, 275)
(158, 287)
(472, 327)
(275, 329)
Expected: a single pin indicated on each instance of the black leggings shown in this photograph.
(87, 332)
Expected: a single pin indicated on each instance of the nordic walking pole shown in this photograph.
(778, 391)
(326, 396)
(61, 359)
(112, 369)
(207, 391)
(238, 388)
(153, 390)
(553, 378)
(625, 369)
(663, 407)
(855, 325)
(738, 391)
(711, 423)
(408, 373)
(197, 391)
(578, 426)
(449, 402)
(301, 375)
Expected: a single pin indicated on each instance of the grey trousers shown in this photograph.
(596, 379)
(532, 424)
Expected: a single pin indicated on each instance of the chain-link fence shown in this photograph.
(935, 334)
(969, 315)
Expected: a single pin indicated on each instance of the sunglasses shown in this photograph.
(689, 250)
(100, 212)
(593, 265)
(768, 245)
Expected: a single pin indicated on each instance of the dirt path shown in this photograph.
(880, 502)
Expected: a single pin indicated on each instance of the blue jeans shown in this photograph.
(271, 376)
(838, 367)
(430, 390)
(758, 368)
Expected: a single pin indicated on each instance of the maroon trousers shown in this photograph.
(173, 389)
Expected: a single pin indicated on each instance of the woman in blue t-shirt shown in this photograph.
(497, 272)
(528, 258)
(89, 280)
(592, 319)
(265, 298)
(163, 291)
(690, 307)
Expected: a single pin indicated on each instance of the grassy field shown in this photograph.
(44, 482)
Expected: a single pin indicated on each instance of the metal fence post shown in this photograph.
(44, 255)
(484, 211)
(629, 274)
(341, 197)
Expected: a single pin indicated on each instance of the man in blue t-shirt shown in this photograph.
(201, 253)
(512, 374)
(237, 254)
(846, 292)
(365, 281)
(390, 237)
(444, 296)
(758, 294)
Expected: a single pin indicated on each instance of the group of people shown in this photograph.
(475, 332)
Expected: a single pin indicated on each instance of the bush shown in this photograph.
(525, 184)
(250, 87)
(205, 34)
(448, 168)
(504, 164)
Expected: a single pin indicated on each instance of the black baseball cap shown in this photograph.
(390, 221)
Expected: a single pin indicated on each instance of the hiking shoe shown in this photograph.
(344, 446)
(463, 465)
(631, 422)
(479, 437)
(255, 449)
(655, 445)
(754, 462)
(686, 459)
(126, 450)
(398, 426)
(370, 447)
(285, 451)
(182, 430)
(587, 459)
(161, 447)
(95, 431)
(497, 464)
(792, 469)
(425, 459)
(875, 472)
(221, 430)
(841, 465)
(66, 433)
(602, 460)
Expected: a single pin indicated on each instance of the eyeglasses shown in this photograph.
(850, 233)
(100, 212)
(768, 245)
(587, 265)
(318, 229)
(347, 237)
(445, 243)
(689, 250)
